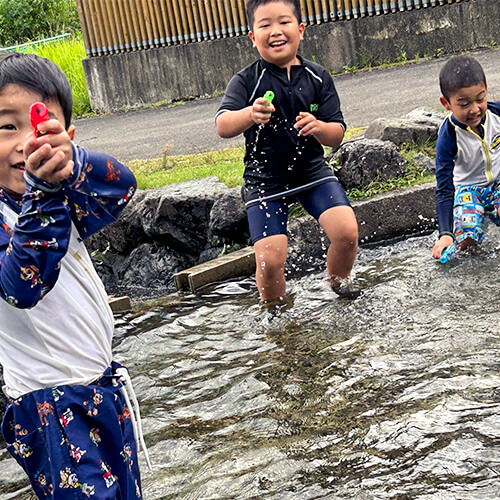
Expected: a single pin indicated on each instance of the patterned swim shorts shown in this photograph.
(471, 204)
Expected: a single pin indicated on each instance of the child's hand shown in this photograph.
(442, 243)
(261, 110)
(49, 157)
(307, 124)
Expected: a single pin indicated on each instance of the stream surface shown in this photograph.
(393, 396)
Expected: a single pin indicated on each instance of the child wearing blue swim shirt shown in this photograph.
(284, 158)
(467, 157)
(69, 422)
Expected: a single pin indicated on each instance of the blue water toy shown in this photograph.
(447, 253)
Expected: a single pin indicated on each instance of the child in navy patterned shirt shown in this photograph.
(68, 422)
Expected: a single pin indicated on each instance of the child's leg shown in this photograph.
(270, 258)
(494, 203)
(267, 224)
(330, 206)
(341, 227)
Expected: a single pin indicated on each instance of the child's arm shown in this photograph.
(232, 123)
(326, 124)
(236, 115)
(446, 151)
(328, 134)
(98, 190)
(30, 254)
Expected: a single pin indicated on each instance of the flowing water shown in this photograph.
(394, 395)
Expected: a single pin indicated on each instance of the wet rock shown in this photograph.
(210, 254)
(360, 162)
(178, 215)
(148, 271)
(228, 218)
(307, 245)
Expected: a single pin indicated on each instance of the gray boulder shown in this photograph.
(423, 161)
(426, 116)
(362, 161)
(419, 126)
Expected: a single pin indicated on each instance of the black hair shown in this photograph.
(39, 75)
(252, 5)
(458, 73)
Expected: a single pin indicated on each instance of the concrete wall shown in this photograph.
(197, 69)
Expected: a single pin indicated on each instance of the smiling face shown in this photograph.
(468, 105)
(15, 102)
(276, 33)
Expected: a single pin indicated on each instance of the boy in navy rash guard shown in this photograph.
(68, 423)
(467, 156)
(284, 158)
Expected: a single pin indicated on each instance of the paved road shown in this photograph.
(190, 128)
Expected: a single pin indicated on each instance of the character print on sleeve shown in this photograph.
(66, 417)
(124, 415)
(31, 273)
(22, 449)
(57, 393)
(113, 173)
(68, 479)
(76, 452)
(42, 244)
(130, 193)
(127, 455)
(80, 212)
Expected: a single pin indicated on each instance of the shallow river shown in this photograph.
(394, 395)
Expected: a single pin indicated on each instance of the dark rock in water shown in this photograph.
(358, 163)
(228, 217)
(307, 246)
(148, 271)
(178, 215)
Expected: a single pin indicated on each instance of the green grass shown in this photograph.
(227, 166)
(68, 54)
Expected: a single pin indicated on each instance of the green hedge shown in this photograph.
(22, 21)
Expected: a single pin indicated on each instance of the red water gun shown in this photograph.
(38, 114)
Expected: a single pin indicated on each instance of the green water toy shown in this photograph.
(269, 96)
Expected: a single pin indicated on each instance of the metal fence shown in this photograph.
(113, 26)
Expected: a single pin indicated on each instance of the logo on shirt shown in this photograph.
(314, 107)
(495, 142)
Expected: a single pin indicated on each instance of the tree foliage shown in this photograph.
(27, 20)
